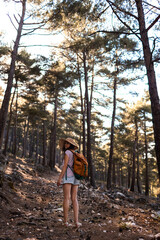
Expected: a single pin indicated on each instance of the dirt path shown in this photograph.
(31, 209)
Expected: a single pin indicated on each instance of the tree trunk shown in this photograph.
(11, 139)
(146, 159)
(92, 85)
(138, 172)
(9, 123)
(37, 144)
(31, 145)
(6, 99)
(113, 172)
(129, 172)
(24, 133)
(121, 172)
(44, 143)
(82, 112)
(89, 157)
(84, 126)
(105, 170)
(109, 177)
(15, 129)
(134, 157)
(25, 138)
(155, 106)
(52, 160)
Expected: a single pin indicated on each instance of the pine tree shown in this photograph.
(5, 103)
(133, 16)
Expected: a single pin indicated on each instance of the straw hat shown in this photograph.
(69, 140)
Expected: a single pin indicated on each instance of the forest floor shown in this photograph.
(31, 209)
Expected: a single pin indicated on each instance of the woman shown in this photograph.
(70, 183)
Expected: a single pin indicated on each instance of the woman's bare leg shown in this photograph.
(66, 193)
(74, 190)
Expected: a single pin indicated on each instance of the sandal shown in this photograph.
(78, 225)
(66, 224)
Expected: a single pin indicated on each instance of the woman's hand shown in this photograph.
(59, 181)
(66, 158)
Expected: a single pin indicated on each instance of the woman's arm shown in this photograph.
(66, 158)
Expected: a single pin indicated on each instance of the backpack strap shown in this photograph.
(70, 168)
(66, 171)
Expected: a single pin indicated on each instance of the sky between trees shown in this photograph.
(9, 35)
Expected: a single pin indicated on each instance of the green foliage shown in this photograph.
(124, 139)
(4, 51)
(69, 9)
(57, 79)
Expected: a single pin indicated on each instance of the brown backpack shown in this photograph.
(80, 165)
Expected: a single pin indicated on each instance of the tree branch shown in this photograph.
(16, 19)
(125, 24)
(151, 5)
(122, 10)
(102, 12)
(12, 22)
(36, 45)
(113, 32)
(40, 34)
(41, 8)
(156, 60)
(154, 45)
(33, 23)
(152, 24)
(33, 30)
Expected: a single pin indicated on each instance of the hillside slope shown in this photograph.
(31, 208)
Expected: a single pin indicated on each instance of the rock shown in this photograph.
(58, 210)
(158, 214)
(141, 210)
(155, 215)
(120, 195)
(131, 218)
(116, 206)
